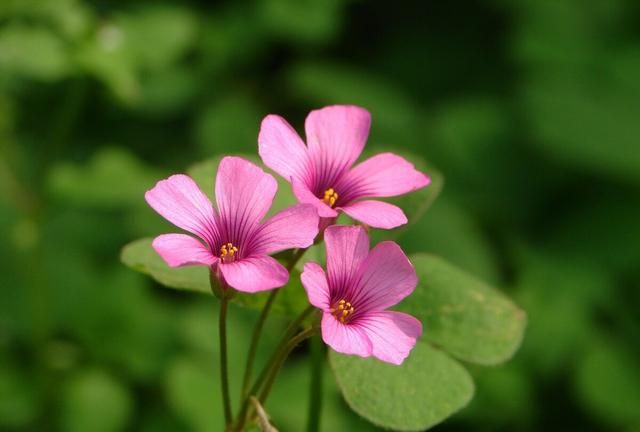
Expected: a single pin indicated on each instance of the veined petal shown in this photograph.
(376, 214)
(336, 136)
(392, 334)
(344, 338)
(315, 283)
(385, 277)
(347, 248)
(179, 200)
(304, 195)
(244, 193)
(180, 250)
(294, 227)
(255, 273)
(383, 175)
(282, 149)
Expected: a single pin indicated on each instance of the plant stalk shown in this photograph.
(257, 330)
(315, 389)
(224, 372)
(282, 346)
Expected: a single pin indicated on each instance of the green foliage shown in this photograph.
(189, 385)
(32, 52)
(462, 315)
(426, 389)
(607, 370)
(140, 256)
(527, 108)
(113, 177)
(94, 400)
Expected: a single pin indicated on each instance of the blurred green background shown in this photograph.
(530, 109)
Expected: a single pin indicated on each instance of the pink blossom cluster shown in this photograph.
(236, 242)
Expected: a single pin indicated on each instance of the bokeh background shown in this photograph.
(529, 108)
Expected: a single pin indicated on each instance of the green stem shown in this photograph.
(257, 330)
(273, 373)
(289, 333)
(224, 373)
(255, 339)
(315, 389)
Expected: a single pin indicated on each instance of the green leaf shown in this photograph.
(461, 314)
(426, 389)
(140, 256)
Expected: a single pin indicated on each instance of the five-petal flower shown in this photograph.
(356, 291)
(233, 240)
(321, 172)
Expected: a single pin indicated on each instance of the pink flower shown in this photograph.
(321, 173)
(231, 240)
(358, 287)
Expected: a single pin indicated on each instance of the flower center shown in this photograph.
(228, 252)
(330, 197)
(342, 310)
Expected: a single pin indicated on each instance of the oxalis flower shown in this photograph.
(233, 241)
(358, 287)
(321, 172)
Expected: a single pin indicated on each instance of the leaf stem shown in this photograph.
(224, 373)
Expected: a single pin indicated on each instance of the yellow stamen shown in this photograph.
(330, 197)
(228, 252)
(342, 310)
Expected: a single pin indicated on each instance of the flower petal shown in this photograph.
(385, 277)
(244, 193)
(392, 334)
(294, 227)
(376, 214)
(345, 338)
(315, 283)
(347, 248)
(253, 274)
(179, 200)
(383, 175)
(336, 136)
(180, 250)
(304, 195)
(282, 149)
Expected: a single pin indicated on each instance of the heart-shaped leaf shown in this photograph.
(463, 315)
(426, 389)
(140, 256)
